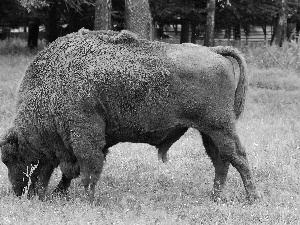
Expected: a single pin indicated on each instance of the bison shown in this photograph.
(90, 90)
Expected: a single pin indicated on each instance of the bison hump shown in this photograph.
(124, 36)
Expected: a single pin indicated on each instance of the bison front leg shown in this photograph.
(88, 141)
(70, 170)
(39, 182)
(221, 167)
(91, 169)
(232, 151)
(63, 185)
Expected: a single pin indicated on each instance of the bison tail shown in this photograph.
(242, 86)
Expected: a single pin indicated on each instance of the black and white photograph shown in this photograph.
(149, 112)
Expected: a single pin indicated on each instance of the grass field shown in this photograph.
(136, 188)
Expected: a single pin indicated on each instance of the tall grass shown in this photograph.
(265, 57)
(136, 188)
(17, 46)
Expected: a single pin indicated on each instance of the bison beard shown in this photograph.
(90, 90)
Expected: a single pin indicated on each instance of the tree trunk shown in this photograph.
(138, 18)
(297, 27)
(279, 33)
(246, 31)
(185, 28)
(228, 32)
(281, 26)
(33, 33)
(194, 32)
(175, 29)
(297, 30)
(264, 28)
(102, 15)
(160, 31)
(274, 26)
(210, 23)
(74, 21)
(52, 25)
(237, 31)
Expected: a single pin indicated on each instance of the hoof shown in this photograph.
(60, 194)
(253, 197)
(219, 200)
(216, 197)
(163, 156)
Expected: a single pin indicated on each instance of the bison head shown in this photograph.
(16, 166)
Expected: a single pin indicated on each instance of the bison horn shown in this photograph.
(2, 142)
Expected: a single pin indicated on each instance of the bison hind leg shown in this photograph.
(221, 168)
(162, 155)
(69, 172)
(62, 187)
(231, 151)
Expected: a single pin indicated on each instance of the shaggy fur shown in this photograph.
(90, 90)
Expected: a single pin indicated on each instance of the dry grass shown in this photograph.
(136, 188)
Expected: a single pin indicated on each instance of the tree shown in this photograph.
(12, 14)
(279, 34)
(185, 28)
(210, 23)
(37, 4)
(33, 33)
(187, 13)
(161, 14)
(51, 12)
(191, 15)
(138, 18)
(103, 15)
(259, 13)
(52, 26)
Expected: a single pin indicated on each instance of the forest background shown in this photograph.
(193, 19)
